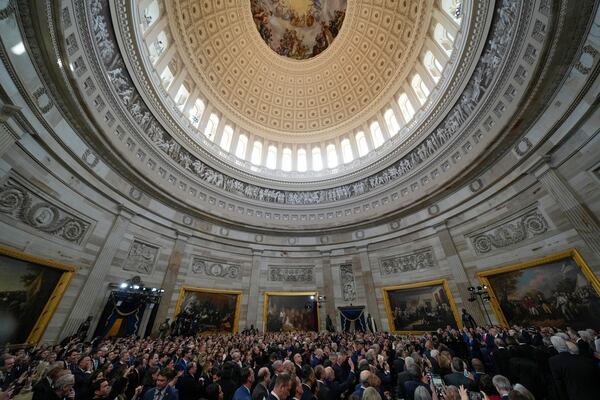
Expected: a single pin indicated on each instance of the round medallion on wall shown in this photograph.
(187, 220)
(258, 238)
(434, 209)
(292, 240)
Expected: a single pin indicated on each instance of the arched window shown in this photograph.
(196, 112)
(272, 157)
(240, 151)
(376, 134)
(347, 150)
(361, 144)
(150, 14)
(166, 77)
(211, 126)
(256, 155)
(156, 48)
(317, 161)
(391, 121)
(453, 8)
(419, 88)
(286, 159)
(226, 138)
(443, 38)
(181, 97)
(332, 158)
(301, 164)
(408, 111)
(433, 66)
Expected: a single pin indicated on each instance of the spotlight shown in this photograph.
(123, 285)
(162, 290)
(312, 297)
(154, 289)
(136, 287)
(485, 287)
(471, 289)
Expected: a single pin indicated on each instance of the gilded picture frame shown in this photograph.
(302, 299)
(408, 288)
(63, 274)
(190, 289)
(548, 262)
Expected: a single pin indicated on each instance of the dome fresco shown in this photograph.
(298, 29)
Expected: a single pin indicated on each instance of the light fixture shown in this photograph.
(484, 296)
(123, 285)
(18, 49)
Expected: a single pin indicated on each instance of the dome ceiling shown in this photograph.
(298, 29)
(275, 97)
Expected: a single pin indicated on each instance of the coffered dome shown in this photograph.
(280, 117)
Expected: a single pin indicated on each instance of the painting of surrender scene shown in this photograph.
(420, 307)
(558, 290)
(207, 310)
(291, 311)
(298, 29)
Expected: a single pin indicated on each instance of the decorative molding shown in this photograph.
(215, 269)
(23, 205)
(348, 282)
(526, 224)
(296, 273)
(90, 158)
(414, 261)
(141, 257)
(523, 146)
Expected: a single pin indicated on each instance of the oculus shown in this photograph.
(298, 29)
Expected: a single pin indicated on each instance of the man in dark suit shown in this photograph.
(261, 391)
(298, 365)
(134, 378)
(575, 377)
(457, 377)
(183, 362)
(43, 388)
(322, 388)
(243, 392)
(501, 357)
(337, 388)
(281, 390)
(188, 386)
(163, 390)
(308, 383)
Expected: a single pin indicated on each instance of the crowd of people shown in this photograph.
(472, 363)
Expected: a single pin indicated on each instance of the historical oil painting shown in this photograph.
(291, 311)
(298, 29)
(32, 287)
(420, 307)
(559, 290)
(207, 310)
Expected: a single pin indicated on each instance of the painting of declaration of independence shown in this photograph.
(420, 307)
(289, 311)
(554, 291)
(205, 311)
(28, 287)
(298, 29)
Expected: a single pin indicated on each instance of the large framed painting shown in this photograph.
(205, 311)
(559, 290)
(291, 311)
(420, 307)
(30, 290)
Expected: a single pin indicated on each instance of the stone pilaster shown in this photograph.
(254, 290)
(369, 284)
(582, 219)
(170, 279)
(98, 271)
(8, 136)
(459, 275)
(328, 282)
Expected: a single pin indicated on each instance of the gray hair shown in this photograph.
(371, 393)
(559, 344)
(408, 361)
(523, 390)
(452, 392)
(421, 393)
(501, 383)
(64, 381)
(364, 377)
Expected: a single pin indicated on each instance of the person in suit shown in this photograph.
(308, 382)
(183, 362)
(62, 388)
(411, 372)
(261, 391)
(575, 376)
(297, 390)
(214, 392)
(134, 377)
(363, 383)
(501, 357)
(277, 367)
(281, 390)
(227, 382)
(336, 389)
(457, 377)
(162, 390)
(340, 367)
(298, 365)
(100, 389)
(322, 388)
(188, 386)
(502, 385)
(243, 392)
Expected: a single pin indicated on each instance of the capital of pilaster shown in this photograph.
(541, 166)
(126, 212)
(7, 111)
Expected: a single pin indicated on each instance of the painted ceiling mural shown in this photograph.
(298, 29)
